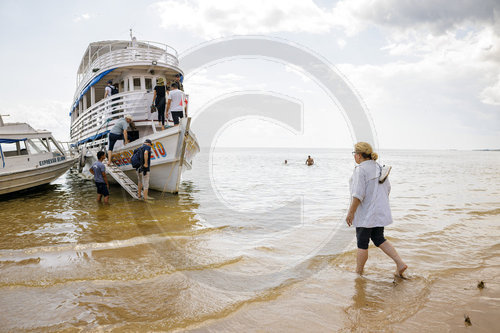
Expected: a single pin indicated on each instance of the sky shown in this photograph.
(428, 72)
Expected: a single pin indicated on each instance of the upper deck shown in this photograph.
(104, 55)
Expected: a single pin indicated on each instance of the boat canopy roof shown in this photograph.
(97, 49)
(20, 132)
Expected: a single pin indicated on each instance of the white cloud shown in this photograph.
(230, 77)
(218, 18)
(491, 94)
(82, 17)
(341, 43)
(456, 39)
(55, 116)
(436, 16)
(299, 71)
(421, 104)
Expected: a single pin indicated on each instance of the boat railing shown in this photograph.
(134, 103)
(68, 149)
(107, 58)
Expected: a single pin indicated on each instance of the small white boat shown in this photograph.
(29, 157)
(134, 67)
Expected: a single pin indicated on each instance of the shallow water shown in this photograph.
(252, 244)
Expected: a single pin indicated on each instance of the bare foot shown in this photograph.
(401, 269)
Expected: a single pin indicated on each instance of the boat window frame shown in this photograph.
(7, 153)
(150, 78)
(133, 83)
(36, 148)
(57, 150)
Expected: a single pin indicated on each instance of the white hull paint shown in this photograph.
(173, 152)
(29, 157)
(21, 180)
(135, 68)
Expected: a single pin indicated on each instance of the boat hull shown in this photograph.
(172, 152)
(24, 179)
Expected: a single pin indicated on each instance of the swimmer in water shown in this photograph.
(309, 160)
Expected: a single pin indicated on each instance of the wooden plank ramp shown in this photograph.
(122, 179)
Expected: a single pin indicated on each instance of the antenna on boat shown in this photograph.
(133, 39)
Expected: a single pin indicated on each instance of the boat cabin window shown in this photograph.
(14, 149)
(137, 83)
(39, 146)
(149, 83)
(53, 147)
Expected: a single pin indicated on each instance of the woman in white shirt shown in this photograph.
(369, 211)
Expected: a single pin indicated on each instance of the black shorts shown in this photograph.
(112, 138)
(102, 188)
(176, 115)
(363, 236)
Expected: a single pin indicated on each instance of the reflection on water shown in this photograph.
(268, 250)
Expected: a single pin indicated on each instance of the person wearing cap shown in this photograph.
(178, 81)
(159, 100)
(108, 89)
(144, 170)
(118, 132)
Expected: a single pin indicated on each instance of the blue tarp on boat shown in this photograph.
(93, 137)
(7, 141)
(91, 83)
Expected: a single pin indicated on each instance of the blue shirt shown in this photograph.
(148, 149)
(119, 127)
(98, 168)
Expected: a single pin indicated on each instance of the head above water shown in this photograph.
(365, 150)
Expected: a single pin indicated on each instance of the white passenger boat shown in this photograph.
(134, 67)
(29, 157)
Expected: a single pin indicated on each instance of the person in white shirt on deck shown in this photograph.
(175, 104)
(369, 211)
(108, 89)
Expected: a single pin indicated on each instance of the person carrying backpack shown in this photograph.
(108, 91)
(141, 161)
